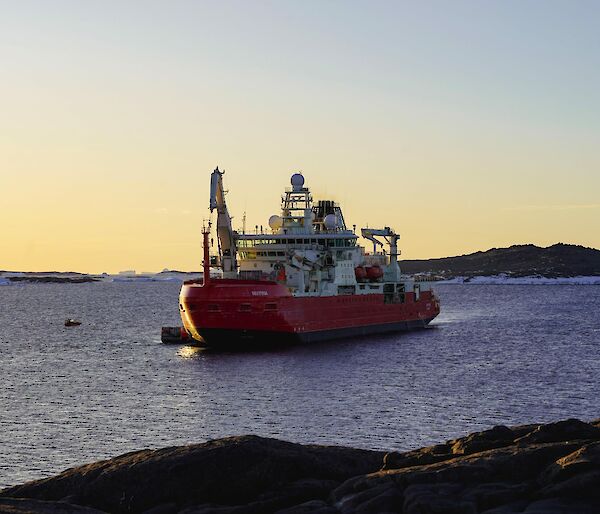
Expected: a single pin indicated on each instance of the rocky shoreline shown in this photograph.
(537, 468)
(53, 280)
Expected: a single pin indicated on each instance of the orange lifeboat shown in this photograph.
(374, 273)
(361, 273)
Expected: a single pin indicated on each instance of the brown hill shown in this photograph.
(559, 260)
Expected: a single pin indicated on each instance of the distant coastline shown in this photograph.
(515, 264)
(533, 280)
(53, 279)
(559, 264)
(57, 277)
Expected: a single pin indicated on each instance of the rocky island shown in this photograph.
(559, 260)
(537, 468)
(47, 277)
(54, 280)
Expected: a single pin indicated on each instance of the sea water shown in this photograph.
(498, 354)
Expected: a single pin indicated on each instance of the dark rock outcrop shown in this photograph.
(559, 260)
(54, 280)
(26, 506)
(264, 475)
(553, 468)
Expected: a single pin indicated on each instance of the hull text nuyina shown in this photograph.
(304, 280)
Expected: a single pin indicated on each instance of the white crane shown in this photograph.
(392, 239)
(225, 234)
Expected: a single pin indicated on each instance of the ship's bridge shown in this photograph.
(276, 245)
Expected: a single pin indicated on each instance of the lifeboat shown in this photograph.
(374, 272)
(361, 273)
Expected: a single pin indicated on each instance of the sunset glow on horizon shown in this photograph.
(463, 125)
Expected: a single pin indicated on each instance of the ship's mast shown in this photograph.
(206, 261)
(224, 227)
(296, 208)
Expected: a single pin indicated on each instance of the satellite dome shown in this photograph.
(330, 221)
(275, 222)
(297, 181)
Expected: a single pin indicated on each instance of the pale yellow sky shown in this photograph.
(461, 132)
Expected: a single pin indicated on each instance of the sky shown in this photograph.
(464, 125)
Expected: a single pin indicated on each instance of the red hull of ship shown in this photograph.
(225, 312)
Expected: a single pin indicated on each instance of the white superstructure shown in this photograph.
(309, 248)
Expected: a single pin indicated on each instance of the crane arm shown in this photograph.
(370, 234)
(224, 228)
(390, 236)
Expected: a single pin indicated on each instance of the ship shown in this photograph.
(305, 279)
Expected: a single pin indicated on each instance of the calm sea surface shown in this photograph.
(497, 355)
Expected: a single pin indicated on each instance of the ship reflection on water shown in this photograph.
(189, 352)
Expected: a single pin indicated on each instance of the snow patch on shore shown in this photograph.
(159, 278)
(503, 279)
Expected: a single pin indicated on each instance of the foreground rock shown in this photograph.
(266, 473)
(25, 506)
(552, 468)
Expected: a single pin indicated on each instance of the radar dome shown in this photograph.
(330, 221)
(297, 181)
(275, 222)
